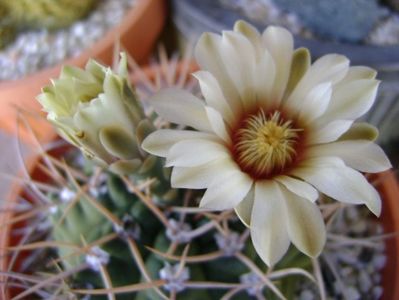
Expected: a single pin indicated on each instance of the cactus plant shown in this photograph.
(51, 14)
(7, 34)
(110, 232)
(7, 29)
(106, 234)
(130, 234)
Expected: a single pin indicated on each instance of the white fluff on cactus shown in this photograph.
(273, 133)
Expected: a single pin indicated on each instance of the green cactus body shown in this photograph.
(7, 34)
(51, 14)
(7, 29)
(84, 224)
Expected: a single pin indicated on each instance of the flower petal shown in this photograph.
(201, 177)
(181, 107)
(331, 177)
(305, 224)
(126, 167)
(119, 142)
(159, 142)
(192, 153)
(115, 101)
(244, 208)
(268, 231)
(102, 110)
(227, 191)
(89, 120)
(329, 132)
(315, 103)
(209, 55)
(280, 44)
(251, 33)
(301, 62)
(360, 131)
(361, 155)
(352, 100)
(213, 95)
(359, 72)
(263, 85)
(328, 68)
(298, 187)
(96, 69)
(239, 61)
(217, 124)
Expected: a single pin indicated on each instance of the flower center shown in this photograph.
(265, 144)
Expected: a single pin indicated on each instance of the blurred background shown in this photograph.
(37, 37)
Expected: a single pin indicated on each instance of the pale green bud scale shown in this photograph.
(119, 142)
(97, 110)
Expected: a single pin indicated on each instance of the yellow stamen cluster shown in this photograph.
(265, 144)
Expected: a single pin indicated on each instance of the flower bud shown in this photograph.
(96, 110)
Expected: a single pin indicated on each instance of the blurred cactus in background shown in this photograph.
(51, 14)
(7, 29)
(19, 15)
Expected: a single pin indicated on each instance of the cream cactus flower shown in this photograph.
(273, 132)
(96, 110)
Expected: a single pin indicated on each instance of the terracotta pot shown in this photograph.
(389, 190)
(8, 238)
(137, 32)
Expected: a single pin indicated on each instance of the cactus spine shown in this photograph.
(107, 216)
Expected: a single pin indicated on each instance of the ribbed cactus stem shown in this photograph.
(160, 187)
